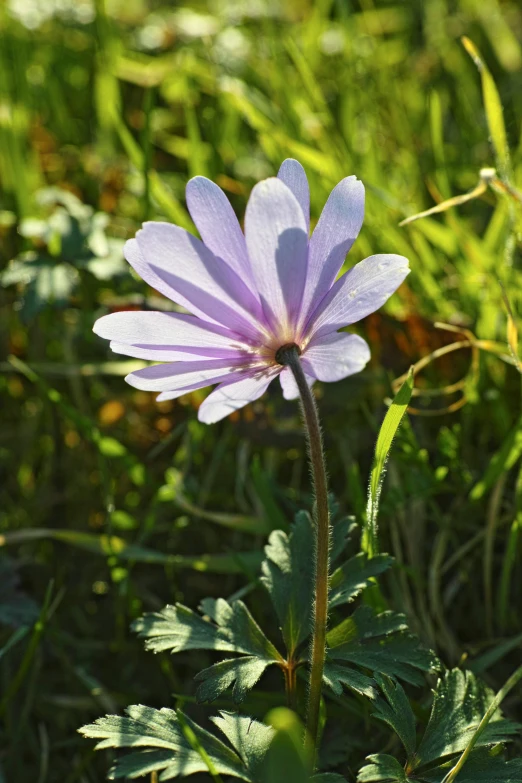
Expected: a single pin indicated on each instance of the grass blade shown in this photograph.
(492, 107)
(387, 433)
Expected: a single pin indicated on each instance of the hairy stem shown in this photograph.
(290, 357)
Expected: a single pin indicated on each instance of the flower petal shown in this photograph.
(235, 375)
(136, 327)
(361, 291)
(168, 337)
(230, 396)
(288, 384)
(294, 176)
(277, 244)
(178, 375)
(168, 353)
(333, 236)
(336, 356)
(218, 226)
(179, 266)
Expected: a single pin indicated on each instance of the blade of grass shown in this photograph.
(492, 107)
(34, 642)
(233, 563)
(198, 747)
(501, 462)
(508, 563)
(389, 427)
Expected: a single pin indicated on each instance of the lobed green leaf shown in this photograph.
(349, 580)
(382, 768)
(459, 702)
(148, 728)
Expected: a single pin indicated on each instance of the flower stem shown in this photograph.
(290, 358)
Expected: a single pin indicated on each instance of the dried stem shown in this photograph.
(289, 356)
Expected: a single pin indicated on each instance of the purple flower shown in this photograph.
(251, 294)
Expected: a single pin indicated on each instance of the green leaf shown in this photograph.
(250, 738)
(226, 627)
(379, 642)
(483, 766)
(342, 529)
(459, 702)
(382, 768)
(365, 624)
(335, 676)
(287, 575)
(350, 579)
(385, 438)
(327, 777)
(165, 746)
(243, 673)
(177, 628)
(237, 625)
(48, 282)
(230, 627)
(396, 712)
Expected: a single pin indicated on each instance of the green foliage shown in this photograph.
(459, 704)
(367, 641)
(225, 627)
(382, 767)
(287, 575)
(70, 239)
(349, 580)
(173, 745)
(380, 643)
(395, 710)
(165, 747)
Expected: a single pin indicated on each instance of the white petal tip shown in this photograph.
(98, 327)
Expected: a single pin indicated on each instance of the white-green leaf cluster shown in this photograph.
(72, 237)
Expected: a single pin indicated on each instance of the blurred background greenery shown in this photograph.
(112, 504)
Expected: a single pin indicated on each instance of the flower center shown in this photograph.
(285, 352)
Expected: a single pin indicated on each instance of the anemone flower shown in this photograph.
(252, 295)
(263, 303)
